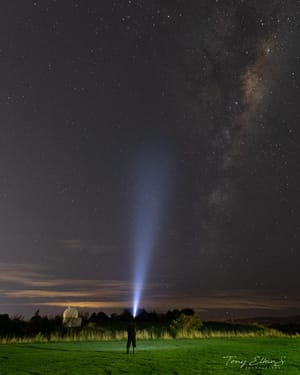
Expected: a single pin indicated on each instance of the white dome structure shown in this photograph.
(70, 318)
(70, 313)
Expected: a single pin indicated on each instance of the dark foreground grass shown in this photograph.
(198, 356)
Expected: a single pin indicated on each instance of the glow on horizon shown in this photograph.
(151, 194)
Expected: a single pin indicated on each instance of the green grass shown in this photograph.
(180, 356)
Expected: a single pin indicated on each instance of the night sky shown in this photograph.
(193, 104)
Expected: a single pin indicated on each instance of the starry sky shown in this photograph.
(91, 93)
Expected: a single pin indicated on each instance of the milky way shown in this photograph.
(233, 73)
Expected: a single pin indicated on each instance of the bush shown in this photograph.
(185, 324)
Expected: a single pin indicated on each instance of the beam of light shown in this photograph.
(151, 196)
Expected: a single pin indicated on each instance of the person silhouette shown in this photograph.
(131, 336)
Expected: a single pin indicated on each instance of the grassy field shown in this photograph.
(181, 356)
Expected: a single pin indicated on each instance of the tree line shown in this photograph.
(18, 327)
(173, 321)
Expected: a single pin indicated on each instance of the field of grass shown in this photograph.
(237, 355)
